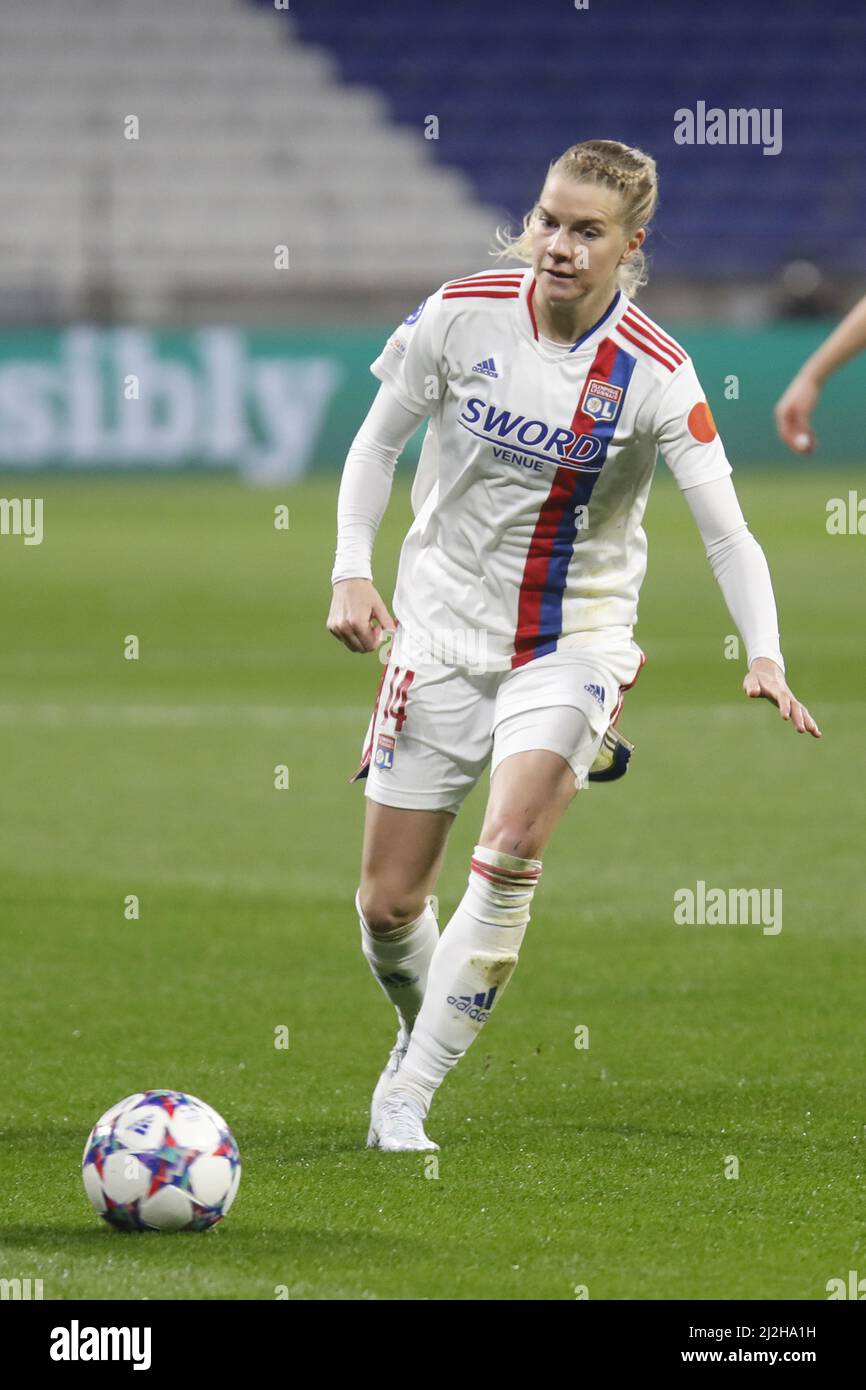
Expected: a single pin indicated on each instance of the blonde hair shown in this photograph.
(630, 172)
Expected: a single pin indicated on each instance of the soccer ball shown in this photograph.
(161, 1160)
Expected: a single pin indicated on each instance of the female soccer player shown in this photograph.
(547, 394)
(794, 409)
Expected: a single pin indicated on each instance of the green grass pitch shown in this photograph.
(601, 1167)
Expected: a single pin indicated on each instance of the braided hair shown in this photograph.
(627, 170)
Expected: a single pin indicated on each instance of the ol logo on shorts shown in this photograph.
(385, 751)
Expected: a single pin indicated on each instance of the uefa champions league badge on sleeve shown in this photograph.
(416, 313)
(385, 751)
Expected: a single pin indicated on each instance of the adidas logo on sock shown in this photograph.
(398, 980)
(487, 367)
(476, 1006)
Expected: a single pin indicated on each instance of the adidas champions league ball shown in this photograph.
(163, 1161)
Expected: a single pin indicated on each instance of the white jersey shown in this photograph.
(535, 469)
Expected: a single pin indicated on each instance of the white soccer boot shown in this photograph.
(400, 1126)
(389, 1071)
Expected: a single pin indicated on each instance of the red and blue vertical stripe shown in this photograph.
(539, 605)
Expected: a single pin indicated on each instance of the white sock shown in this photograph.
(471, 966)
(400, 961)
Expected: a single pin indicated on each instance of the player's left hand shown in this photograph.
(765, 680)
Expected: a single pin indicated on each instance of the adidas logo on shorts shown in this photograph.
(597, 693)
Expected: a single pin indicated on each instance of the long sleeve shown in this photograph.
(739, 565)
(366, 483)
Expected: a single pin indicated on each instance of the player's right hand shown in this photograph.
(793, 414)
(358, 617)
(766, 681)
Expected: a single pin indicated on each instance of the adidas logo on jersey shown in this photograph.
(477, 1006)
(487, 367)
(597, 693)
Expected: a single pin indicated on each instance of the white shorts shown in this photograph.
(434, 728)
